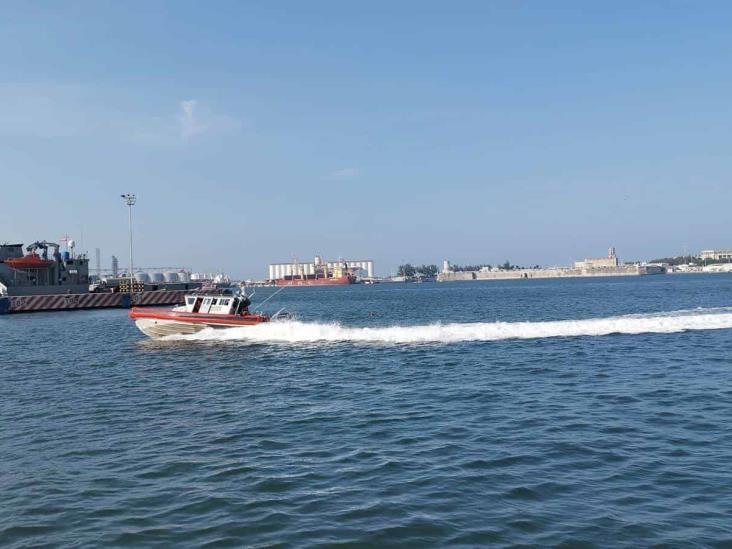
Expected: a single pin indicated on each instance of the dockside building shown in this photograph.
(716, 255)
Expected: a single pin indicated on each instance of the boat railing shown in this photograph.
(209, 291)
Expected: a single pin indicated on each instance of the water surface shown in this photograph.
(387, 428)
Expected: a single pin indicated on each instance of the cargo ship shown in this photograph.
(317, 273)
(312, 280)
(46, 279)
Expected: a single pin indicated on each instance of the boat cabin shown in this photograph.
(217, 304)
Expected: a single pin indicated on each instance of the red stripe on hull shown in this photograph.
(199, 318)
(340, 281)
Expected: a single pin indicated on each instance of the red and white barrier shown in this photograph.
(67, 302)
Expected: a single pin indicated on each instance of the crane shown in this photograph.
(44, 245)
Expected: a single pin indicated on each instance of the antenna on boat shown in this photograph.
(270, 297)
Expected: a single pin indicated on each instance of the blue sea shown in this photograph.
(587, 412)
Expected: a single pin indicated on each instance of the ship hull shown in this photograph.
(336, 281)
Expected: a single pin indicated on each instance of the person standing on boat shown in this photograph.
(243, 307)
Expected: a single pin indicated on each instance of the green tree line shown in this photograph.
(410, 271)
(505, 266)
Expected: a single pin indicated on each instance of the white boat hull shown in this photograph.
(157, 328)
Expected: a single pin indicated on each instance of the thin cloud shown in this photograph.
(344, 173)
(189, 123)
(192, 121)
(49, 110)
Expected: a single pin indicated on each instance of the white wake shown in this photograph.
(292, 331)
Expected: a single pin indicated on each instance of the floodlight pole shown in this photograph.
(130, 200)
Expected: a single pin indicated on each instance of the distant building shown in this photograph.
(717, 268)
(716, 255)
(278, 271)
(596, 263)
(446, 266)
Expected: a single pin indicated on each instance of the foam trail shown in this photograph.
(292, 331)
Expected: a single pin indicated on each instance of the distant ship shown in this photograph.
(312, 280)
(318, 273)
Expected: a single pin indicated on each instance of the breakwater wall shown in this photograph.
(107, 300)
(622, 270)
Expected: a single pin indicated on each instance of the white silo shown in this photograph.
(171, 276)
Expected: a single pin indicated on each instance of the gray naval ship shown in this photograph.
(46, 279)
(44, 273)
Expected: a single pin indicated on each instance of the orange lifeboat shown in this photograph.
(30, 261)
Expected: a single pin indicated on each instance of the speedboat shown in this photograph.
(213, 309)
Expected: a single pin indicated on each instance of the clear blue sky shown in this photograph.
(253, 132)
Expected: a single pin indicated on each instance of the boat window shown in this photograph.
(214, 302)
(224, 301)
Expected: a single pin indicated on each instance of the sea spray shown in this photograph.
(295, 331)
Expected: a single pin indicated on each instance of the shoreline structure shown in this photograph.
(604, 266)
